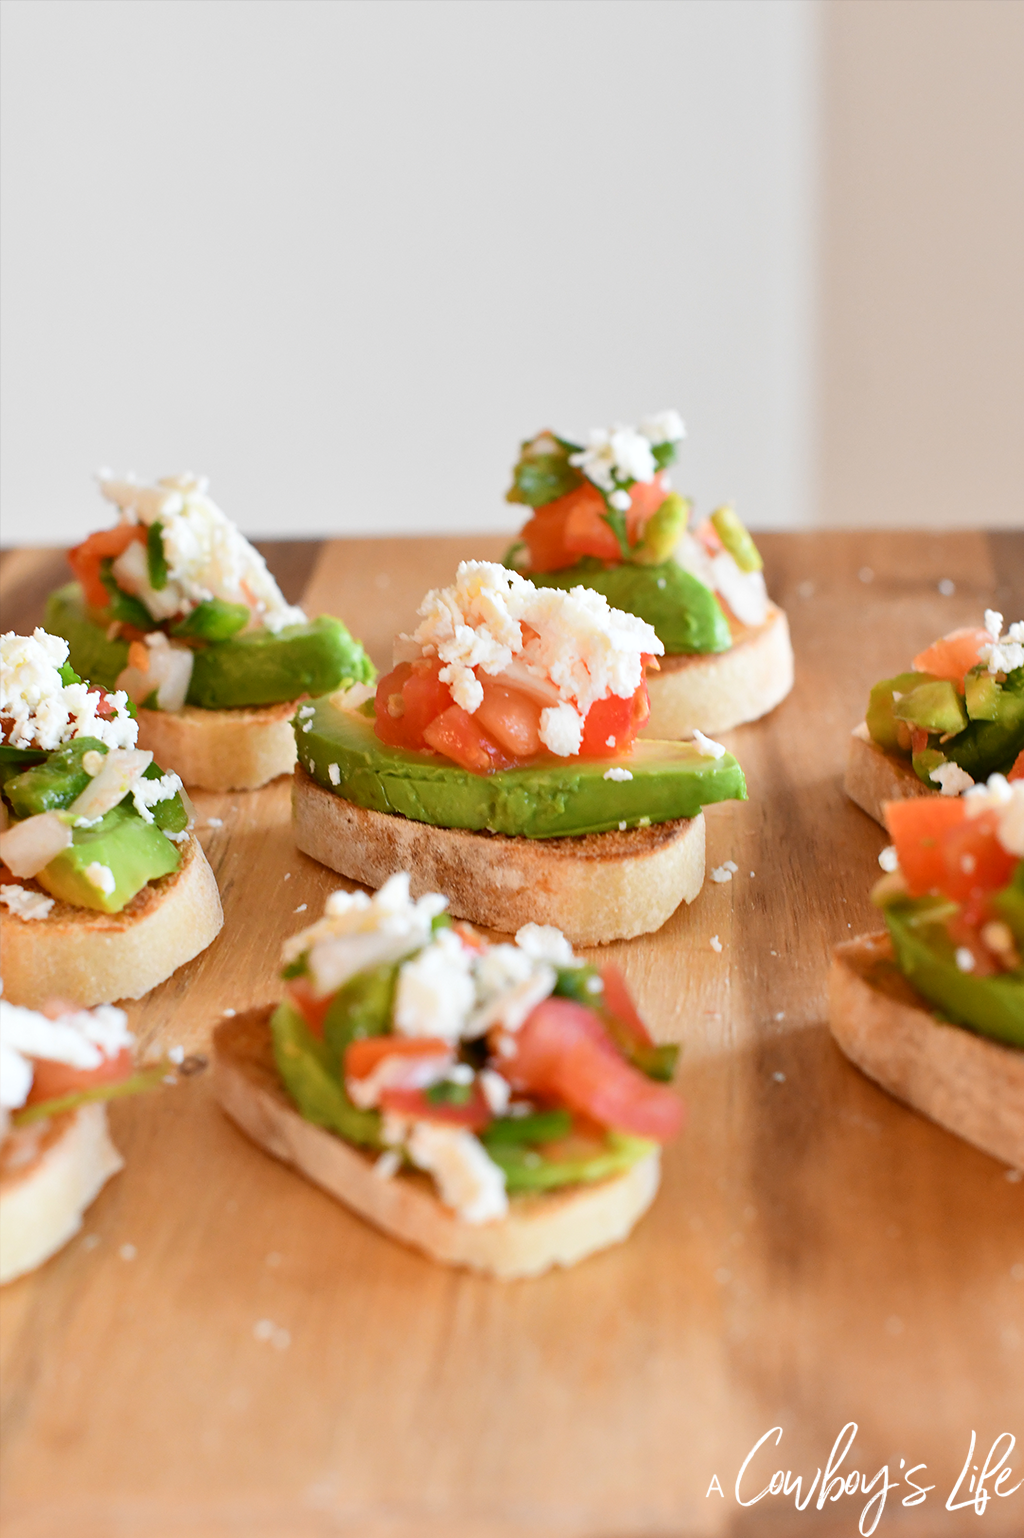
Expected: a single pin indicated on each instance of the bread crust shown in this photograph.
(542, 1230)
(238, 749)
(47, 1180)
(714, 691)
(967, 1083)
(595, 888)
(874, 777)
(95, 958)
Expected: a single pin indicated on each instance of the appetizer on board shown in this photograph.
(605, 516)
(177, 608)
(934, 1009)
(498, 762)
(106, 890)
(57, 1068)
(954, 719)
(500, 1107)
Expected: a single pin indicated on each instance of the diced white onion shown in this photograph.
(743, 591)
(518, 676)
(122, 769)
(131, 569)
(169, 673)
(351, 698)
(29, 845)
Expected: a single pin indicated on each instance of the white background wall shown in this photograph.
(342, 256)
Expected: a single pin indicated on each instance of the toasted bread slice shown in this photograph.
(595, 888)
(49, 1173)
(542, 1230)
(713, 691)
(95, 958)
(874, 777)
(237, 749)
(963, 1081)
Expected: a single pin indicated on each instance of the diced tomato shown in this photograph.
(941, 849)
(408, 699)
(50, 1079)
(456, 734)
(563, 1052)
(612, 724)
(474, 1115)
(954, 655)
(510, 717)
(299, 991)
(561, 532)
(85, 558)
(647, 498)
(363, 1056)
(1017, 772)
(617, 1001)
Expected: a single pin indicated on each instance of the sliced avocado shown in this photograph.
(663, 531)
(361, 1008)
(880, 717)
(313, 1082)
(935, 707)
(1009, 904)
(735, 536)
(134, 852)
(982, 696)
(48, 786)
(532, 1169)
(256, 669)
(555, 798)
(686, 615)
(926, 956)
(985, 747)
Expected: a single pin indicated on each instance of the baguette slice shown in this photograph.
(874, 777)
(95, 958)
(714, 691)
(238, 749)
(48, 1176)
(555, 1228)
(965, 1082)
(594, 888)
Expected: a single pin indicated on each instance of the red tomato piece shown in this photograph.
(456, 735)
(474, 1115)
(362, 1056)
(1017, 772)
(612, 723)
(510, 717)
(617, 1001)
(299, 992)
(647, 498)
(563, 1052)
(587, 530)
(941, 849)
(50, 1079)
(85, 558)
(408, 699)
(954, 655)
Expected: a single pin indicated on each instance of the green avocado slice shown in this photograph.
(530, 1169)
(311, 1077)
(135, 852)
(245, 670)
(557, 798)
(993, 1006)
(686, 615)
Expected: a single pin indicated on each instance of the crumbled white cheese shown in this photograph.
(1007, 798)
(621, 501)
(706, 746)
(577, 648)
(964, 959)
(334, 774)
(616, 773)
(387, 1164)
(1003, 653)
(147, 793)
(44, 712)
(497, 1091)
(81, 1038)
(207, 556)
(435, 991)
(888, 859)
(398, 1071)
(101, 877)
(25, 903)
(663, 427)
(509, 984)
(468, 1180)
(715, 944)
(357, 932)
(951, 779)
(546, 943)
(721, 874)
(615, 454)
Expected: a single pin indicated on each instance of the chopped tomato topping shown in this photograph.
(408, 699)
(1017, 772)
(362, 1056)
(617, 1001)
(457, 735)
(510, 717)
(85, 559)
(51, 1080)
(474, 1115)
(312, 1009)
(563, 531)
(942, 850)
(563, 1052)
(612, 724)
(954, 656)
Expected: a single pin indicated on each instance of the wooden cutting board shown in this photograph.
(225, 1351)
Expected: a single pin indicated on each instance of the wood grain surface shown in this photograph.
(226, 1351)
